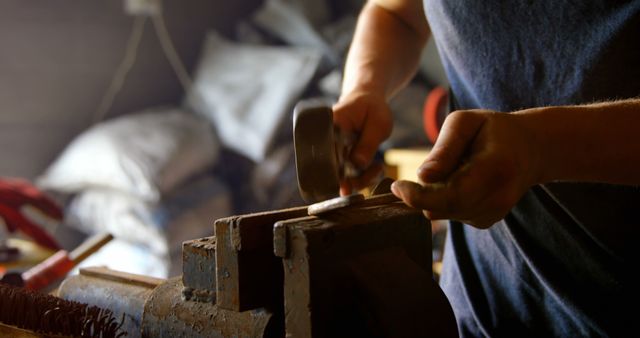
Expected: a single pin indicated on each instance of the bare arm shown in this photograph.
(386, 47)
(383, 57)
(594, 143)
(484, 161)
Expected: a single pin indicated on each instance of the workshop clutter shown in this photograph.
(245, 90)
(138, 176)
(156, 177)
(362, 270)
(28, 218)
(17, 198)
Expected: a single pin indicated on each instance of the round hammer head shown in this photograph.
(317, 164)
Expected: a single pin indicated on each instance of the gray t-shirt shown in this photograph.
(563, 261)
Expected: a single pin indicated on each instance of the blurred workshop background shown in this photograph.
(150, 119)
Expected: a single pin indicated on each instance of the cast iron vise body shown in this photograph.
(360, 271)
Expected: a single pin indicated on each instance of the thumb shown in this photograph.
(458, 131)
(426, 197)
(368, 117)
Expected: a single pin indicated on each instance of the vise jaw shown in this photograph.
(364, 270)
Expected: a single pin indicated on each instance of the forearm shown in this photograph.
(386, 47)
(483, 161)
(593, 143)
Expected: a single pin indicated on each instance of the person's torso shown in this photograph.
(565, 254)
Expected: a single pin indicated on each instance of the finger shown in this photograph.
(376, 129)
(349, 115)
(345, 188)
(435, 204)
(365, 179)
(458, 132)
(432, 197)
(348, 185)
(371, 121)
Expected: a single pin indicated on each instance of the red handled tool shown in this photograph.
(56, 266)
(16, 193)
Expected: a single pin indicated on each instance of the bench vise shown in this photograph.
(342, 267)
(359, 271)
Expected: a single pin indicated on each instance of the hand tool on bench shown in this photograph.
(56, 266)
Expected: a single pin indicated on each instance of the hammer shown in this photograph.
(321, 151)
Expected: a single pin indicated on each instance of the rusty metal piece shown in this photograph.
(167, 315)
(51, 316)
(199, 269)
(155, 308)
(122, 293)
(346, 273)
(280, 247)
(248, 274)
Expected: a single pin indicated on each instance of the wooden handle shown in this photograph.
(90, 246)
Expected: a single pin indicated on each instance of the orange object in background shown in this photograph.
(434, 112)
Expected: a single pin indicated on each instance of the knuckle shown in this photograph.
(461, 115)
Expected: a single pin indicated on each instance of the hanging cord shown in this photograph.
(129, 59)
(170, 52)
(122, 71)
